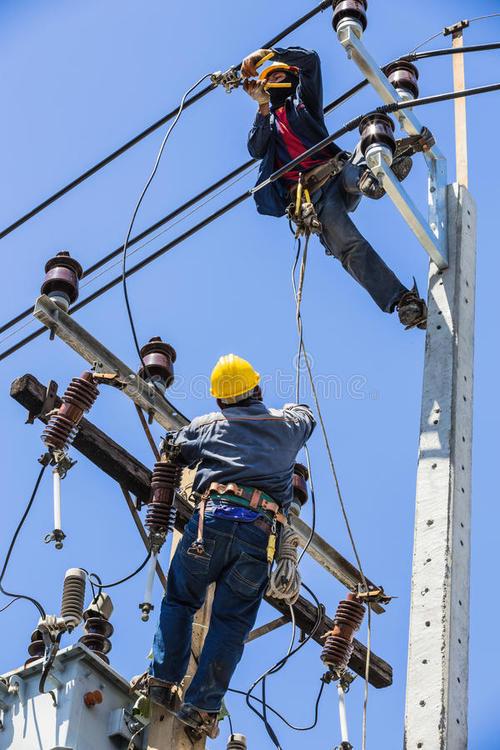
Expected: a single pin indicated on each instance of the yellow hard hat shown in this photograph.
(233, 377)
(275, 66)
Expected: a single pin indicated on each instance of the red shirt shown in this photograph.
(289, 146)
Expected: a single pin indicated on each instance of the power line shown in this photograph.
(239, 170)
(151, 129)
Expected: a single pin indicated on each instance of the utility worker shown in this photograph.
(245, 455)
(289, 121)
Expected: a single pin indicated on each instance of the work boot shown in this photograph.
(164, 694)
(199, 722)
(371, 187)
(412, 309)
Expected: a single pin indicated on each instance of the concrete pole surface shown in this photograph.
(437, 681)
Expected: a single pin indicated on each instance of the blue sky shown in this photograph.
(79, 79)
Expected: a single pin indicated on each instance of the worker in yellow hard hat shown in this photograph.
(244, 456)
(289, 121)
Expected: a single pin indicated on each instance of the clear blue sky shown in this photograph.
(80, 78)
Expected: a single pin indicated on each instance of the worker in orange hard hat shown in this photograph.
(289, 121)
(244, 456)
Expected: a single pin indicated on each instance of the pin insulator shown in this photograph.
(78, 398)
(98, 631)
(62, 274)
(403, 76)
(300, 479)
(158, 362)
(377, 129)
(237, 742)
(36, 649)
(339, 642)
(350, 9)
(165, 481)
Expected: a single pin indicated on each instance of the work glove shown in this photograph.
(248, 66)
(256, 89)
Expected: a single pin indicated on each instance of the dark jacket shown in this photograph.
(253, 446)
(305, 115)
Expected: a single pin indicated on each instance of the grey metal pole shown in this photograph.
(437, 681)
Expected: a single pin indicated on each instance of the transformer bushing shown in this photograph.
(339, 642)
(158, 363)
(98, 631)
(300, 492)
(73, 597)
(350, 15)
(377, 137)
(62, 274)
(78, 398)
(404, 77)
(166, 480)
(237, 742)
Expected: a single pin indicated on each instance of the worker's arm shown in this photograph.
(310, 88)
(303, 421)
(188, 440)
(259, 136)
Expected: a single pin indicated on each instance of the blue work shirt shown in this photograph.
(304, 114)
(252, 445)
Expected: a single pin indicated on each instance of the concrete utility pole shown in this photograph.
(437, 684)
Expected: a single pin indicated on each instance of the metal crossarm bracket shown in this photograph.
(72, 333)
(433, 237)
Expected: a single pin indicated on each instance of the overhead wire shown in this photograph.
(207, 191)
(100, 586)
(151, 129)
(20, 525)
(442, 32)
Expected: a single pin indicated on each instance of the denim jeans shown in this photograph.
(235, 559)
(342, 239)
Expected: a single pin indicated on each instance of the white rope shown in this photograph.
(285, 579)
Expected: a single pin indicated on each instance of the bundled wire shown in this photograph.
(20, 525)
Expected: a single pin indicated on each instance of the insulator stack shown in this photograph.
(237, 742)
(166, 479)
(172, 517)
(339, 642)
(73, 597)
(62, 274)
(98, 631)
(158, 363)
(404, 77)
(300, 492)
(36, 649)
(350, 14)
(377, 129)
(78, 398)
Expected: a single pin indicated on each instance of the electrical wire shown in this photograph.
(443, 31)
(13, 542)
(151, 129)
(138, 205)
(97, 581)
(12, 601)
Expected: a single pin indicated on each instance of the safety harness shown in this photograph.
(246, 497)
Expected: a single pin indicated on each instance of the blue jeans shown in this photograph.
(342, 239)
(235, 559)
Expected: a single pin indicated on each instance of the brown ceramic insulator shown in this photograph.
(337, 653)
(377, 129)
(339, 643)
(166, 479)
(158, 361)
(300, 477)
(36, 649)
(77, 399)
(98, 631)
(403, 75)
(350, 9)
(62, 274)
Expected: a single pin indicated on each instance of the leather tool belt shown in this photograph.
(317, 177)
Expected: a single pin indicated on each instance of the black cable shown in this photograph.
(12, 543)
(100, 585)
(151, 129)
(450, 51)
(9, 604)
(47, 666)
(232, 204)
(283, 718)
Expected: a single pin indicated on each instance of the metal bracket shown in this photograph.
(48, 404)
(456, 27)
(143, 394)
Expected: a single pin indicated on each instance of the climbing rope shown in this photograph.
(285, 580)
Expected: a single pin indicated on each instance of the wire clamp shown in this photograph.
(373, 596)
(230, 79)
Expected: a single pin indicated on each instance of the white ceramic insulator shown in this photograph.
(57, 499)
(148, 594)
(343, 715)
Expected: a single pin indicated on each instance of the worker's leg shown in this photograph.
(188, 580)
(342, 239)
(238, 595)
